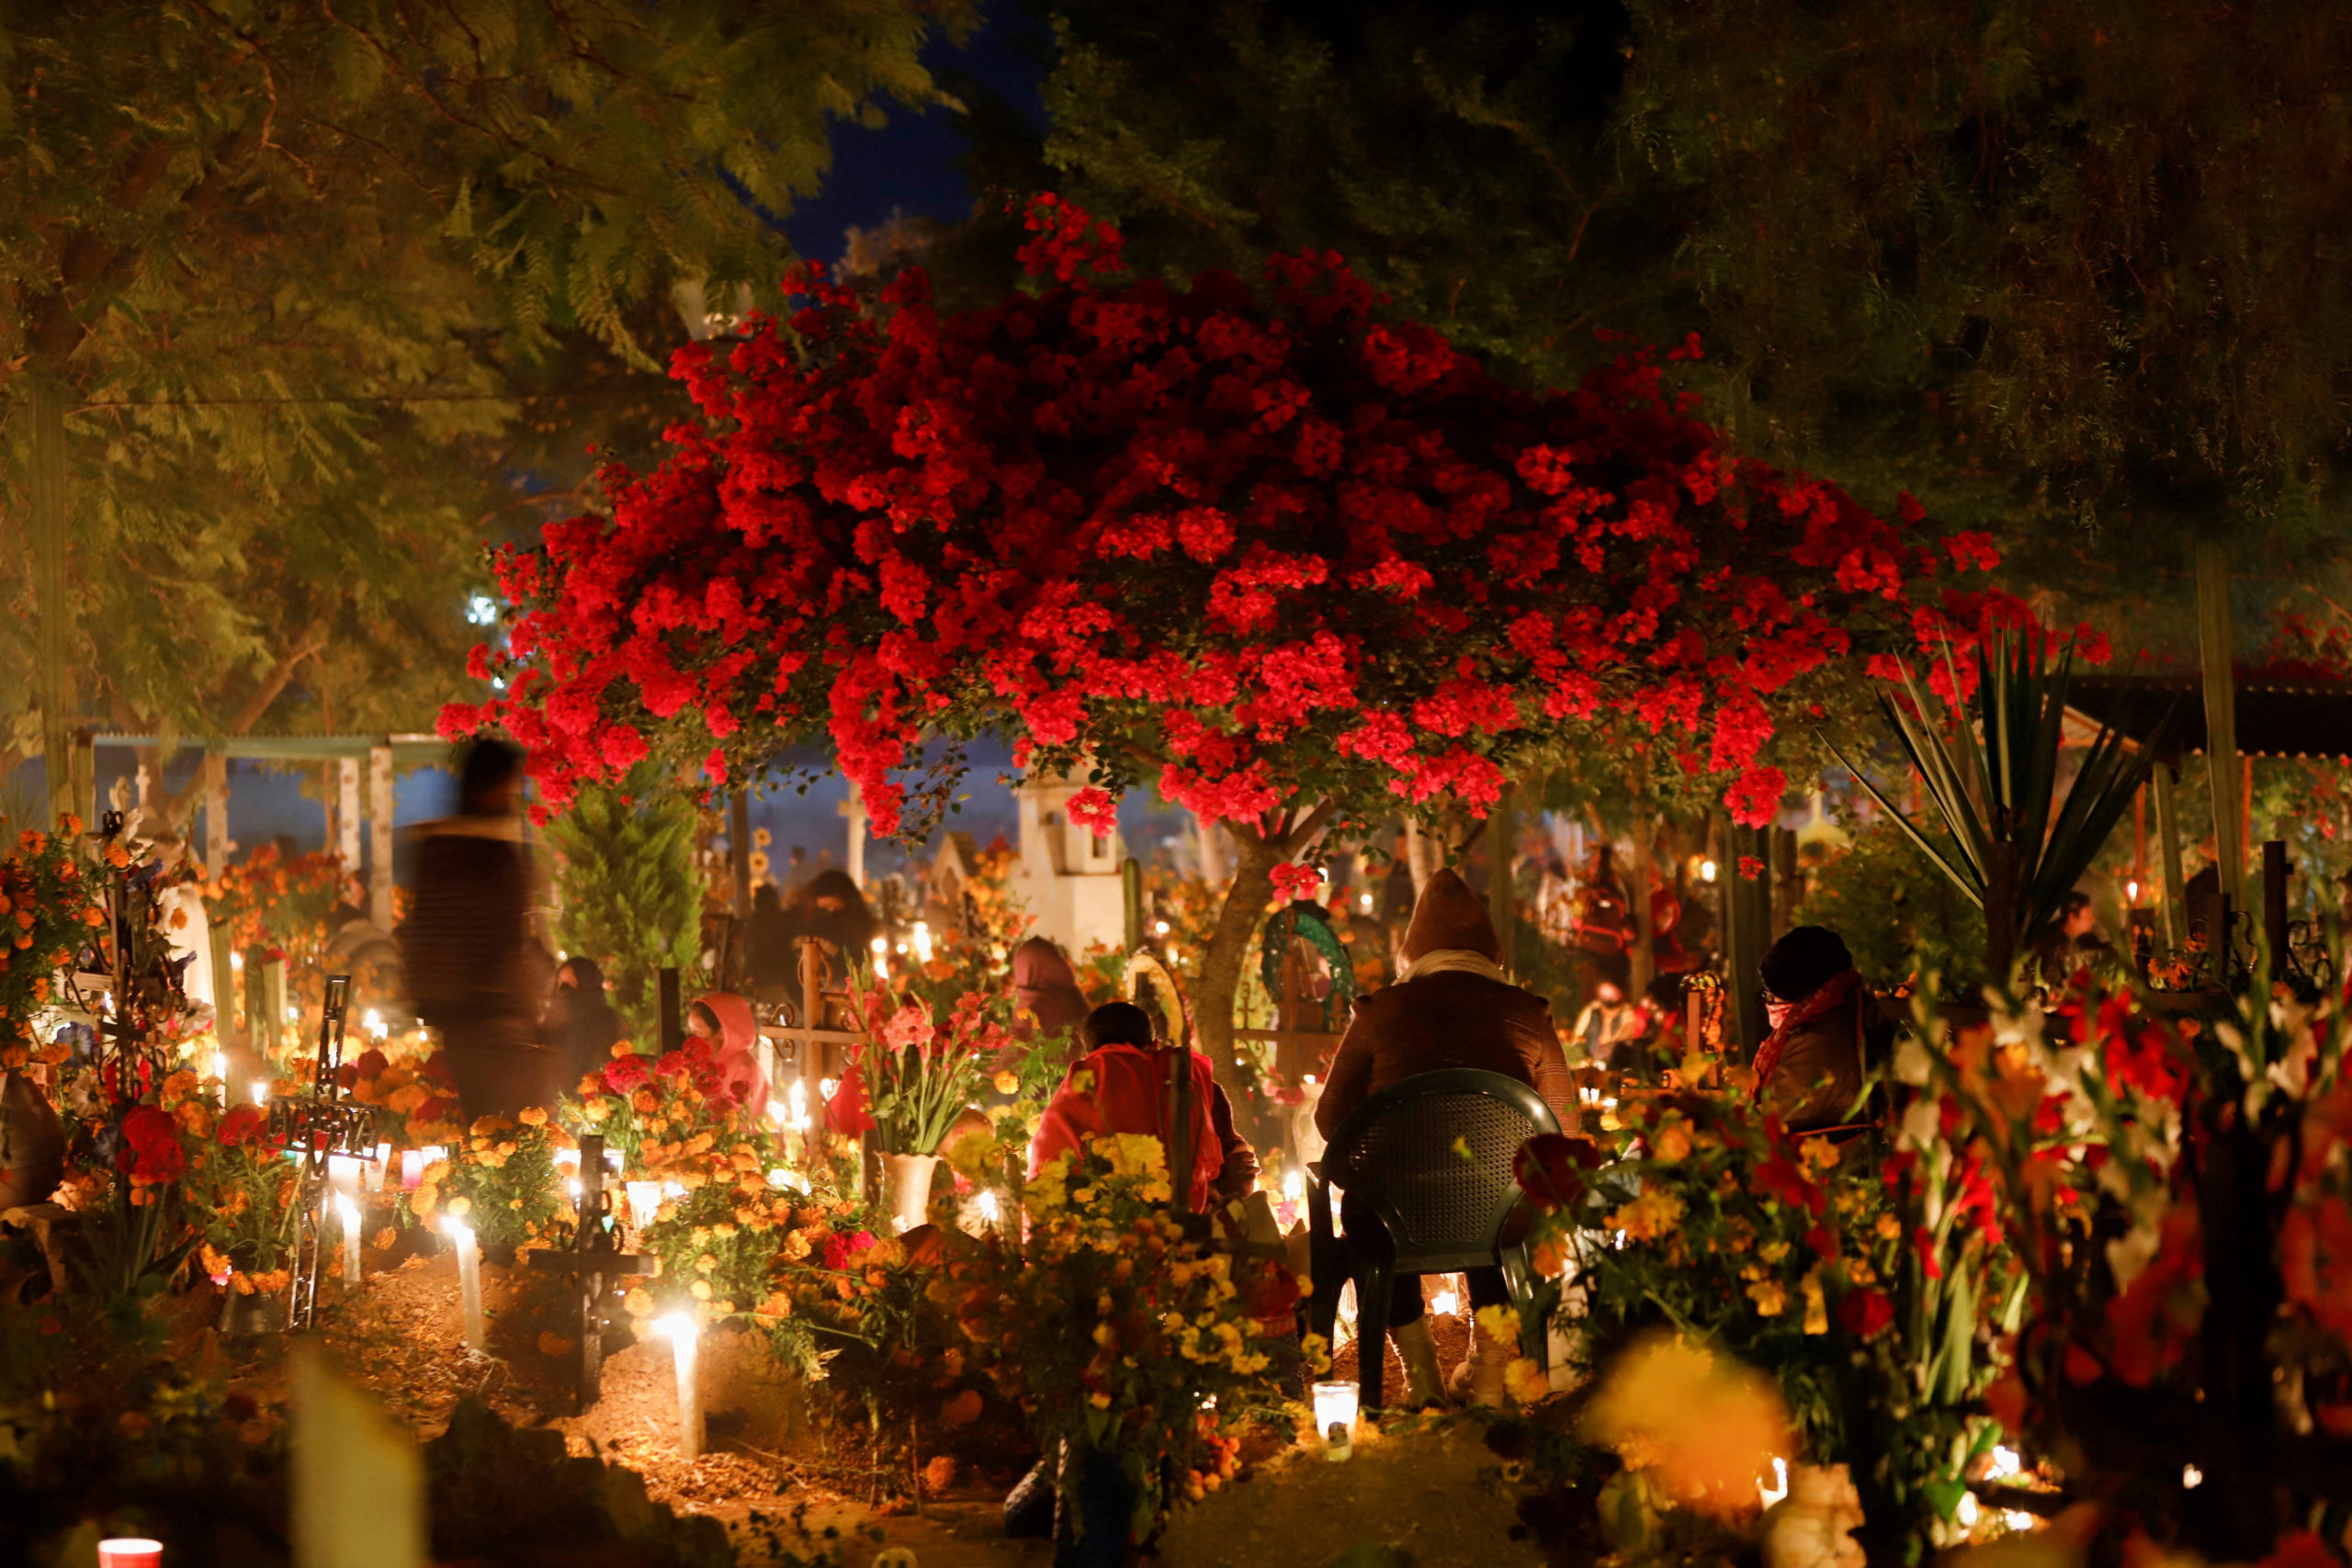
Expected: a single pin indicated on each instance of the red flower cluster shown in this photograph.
(241, 1124)
(1259, 551)
(151, 1147)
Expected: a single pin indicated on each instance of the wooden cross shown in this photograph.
(595, 1256)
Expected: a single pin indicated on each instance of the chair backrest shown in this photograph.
(1401, 1152)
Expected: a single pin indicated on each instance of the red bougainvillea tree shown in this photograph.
(1299, 566)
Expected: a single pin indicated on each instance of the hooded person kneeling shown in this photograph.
(1452, 1008)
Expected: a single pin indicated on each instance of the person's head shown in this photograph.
(1608, 976)
(1665, 993)
(581, 975)
(764, 899)
(489, 779)
(2075, 916)
(1800, 964)
(702, 1022)
(833, 891)
(1449, 916)
(1117, 1023)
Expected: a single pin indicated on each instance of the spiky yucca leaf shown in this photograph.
(1996, 782)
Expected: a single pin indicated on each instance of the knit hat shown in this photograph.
(1803, 962)
(1450, 916)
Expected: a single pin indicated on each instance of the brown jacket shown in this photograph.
(1446, 1019)
(1820, 1070)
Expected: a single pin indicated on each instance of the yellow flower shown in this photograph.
(1816, 1309)
(1888, 1227)
(699, 1289)
(1672, 1143)
(460, 1206)
(532, 1116)
(1006, 1082)
(1769, 1296)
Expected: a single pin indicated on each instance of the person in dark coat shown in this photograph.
(1046, 988)
(477, 969)
(830, 908)
(774, 960)
(1809, 1070)
(581, 1026)
(1453, 1007)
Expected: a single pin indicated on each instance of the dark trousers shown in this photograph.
(1487, 1289)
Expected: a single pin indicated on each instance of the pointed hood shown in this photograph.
(1449, 916)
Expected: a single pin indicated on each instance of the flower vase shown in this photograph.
(906, 1188)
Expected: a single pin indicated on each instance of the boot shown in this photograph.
(1424, 1383)
(1479, 1378)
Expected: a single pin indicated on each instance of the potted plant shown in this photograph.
(2014, 848)
(919, 1074)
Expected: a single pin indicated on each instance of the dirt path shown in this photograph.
(1428, 1488)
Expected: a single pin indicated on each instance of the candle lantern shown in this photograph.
(1335, 1418)
(131, 1552)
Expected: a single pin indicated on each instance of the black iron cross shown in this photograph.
(594, 1258)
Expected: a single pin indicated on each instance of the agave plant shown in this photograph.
(1994, 784)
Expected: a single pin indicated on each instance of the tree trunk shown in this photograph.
(2000, 907)
(1246, 898)
(1641, 883)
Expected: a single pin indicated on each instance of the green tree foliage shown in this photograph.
(2094, 249)
(631, 899)
(1894, 909)
(1460, 156)
(328, 294)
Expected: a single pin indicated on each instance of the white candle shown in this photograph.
(679, 1329)
(644, 1197)
(349, 1211)
(1335, 1410)
(220, 1067)
(411, 1169)
(261, 1094)
(468, 1282)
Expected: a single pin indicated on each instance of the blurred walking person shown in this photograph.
(476, 967)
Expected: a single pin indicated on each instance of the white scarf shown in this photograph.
(1452, 961)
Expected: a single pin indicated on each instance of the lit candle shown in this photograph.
(922, 941)
(261, 1094)
(644, 1197)
(881, 945)
(349, 1211)
(679, 1329)
(987, 1208)
(1335, 1418)
(129, 1552)
(375, 1167)
(468, 1282)
(377, 1028)
(220, 1067)
(411, 1169)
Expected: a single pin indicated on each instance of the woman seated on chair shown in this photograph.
(1451, 1008)
(1121, 1085)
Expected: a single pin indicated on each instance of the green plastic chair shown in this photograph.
(1416, 1206)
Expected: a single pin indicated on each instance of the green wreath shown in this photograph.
(1303, 920)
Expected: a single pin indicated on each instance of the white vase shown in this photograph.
(906, 1188)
